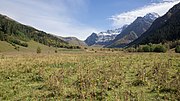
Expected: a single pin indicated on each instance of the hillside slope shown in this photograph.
(73, 41)
(16, 33)
(164, 29)
(6, 47)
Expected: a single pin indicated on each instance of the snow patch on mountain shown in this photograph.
(151, 16)
(105, 37)
(109, 35)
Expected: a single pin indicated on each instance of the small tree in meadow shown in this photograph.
(56, 51)
(38, 50)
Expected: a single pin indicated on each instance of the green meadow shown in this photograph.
(89, 75)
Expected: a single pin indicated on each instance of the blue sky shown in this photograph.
(80, 18)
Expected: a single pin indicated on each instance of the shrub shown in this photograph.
(15, 41)
(131, 49)
(78, 47)
(2, 37)
(177, 49)
(146, 48)
(55, 51)
(38, 50)
(139, 49)
(24, 44)
(160, 48)
(167, 90)
(16, 47)
(138, 83)
(152, 48)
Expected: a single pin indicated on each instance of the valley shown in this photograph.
(137, 61)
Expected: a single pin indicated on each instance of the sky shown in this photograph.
(79, 18)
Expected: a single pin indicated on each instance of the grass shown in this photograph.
(6, 47)
(90, 76)
(32, 47)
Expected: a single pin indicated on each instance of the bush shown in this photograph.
(146, 48)
(131, 49)
(177, 49)
(55, 51)
(139, 49)
(15, 41)
(73, 47)
(2, 37)
(16, 47)
(138, 83)
(160, 48)
(167, 90)
(152, 48)
(24, 44)
(38, 50)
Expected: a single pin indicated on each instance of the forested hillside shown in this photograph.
(19, 34)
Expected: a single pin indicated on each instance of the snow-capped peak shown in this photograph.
(109, 35)
(105, 37)
(113, 32)
(151, 16)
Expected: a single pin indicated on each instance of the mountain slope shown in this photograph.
(103, 38)
(134, 30)
(73, 41)
(91, 40)
(164, 29)
(18, 34)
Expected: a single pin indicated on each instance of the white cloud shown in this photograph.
(53, 16)
(128, 17)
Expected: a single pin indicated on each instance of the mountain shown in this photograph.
(163, 29)
(18, 34)
(73, 41)
(134, 30)
(91, 40)
(103, 38)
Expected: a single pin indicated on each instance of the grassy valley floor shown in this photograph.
(79, 75)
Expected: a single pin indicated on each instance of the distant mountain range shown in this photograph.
(163, 29)
(134, 30)
(103, 38)
(144, 30)
(122, 36)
